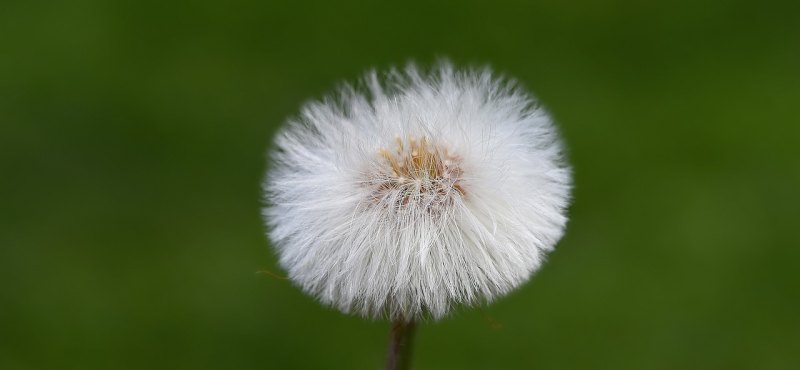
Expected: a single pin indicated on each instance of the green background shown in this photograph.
(132, 140)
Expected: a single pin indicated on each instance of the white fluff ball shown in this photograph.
(426, 191)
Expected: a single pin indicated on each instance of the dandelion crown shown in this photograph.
(427, 191)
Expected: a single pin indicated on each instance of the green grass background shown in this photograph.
(132, 139)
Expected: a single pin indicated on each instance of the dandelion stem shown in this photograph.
(401, 340)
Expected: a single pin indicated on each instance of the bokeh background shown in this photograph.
(132, 140)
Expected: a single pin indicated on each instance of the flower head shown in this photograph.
(426, 191)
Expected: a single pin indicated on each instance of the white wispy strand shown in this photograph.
(426, 191)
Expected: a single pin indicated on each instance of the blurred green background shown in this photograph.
(132, 139)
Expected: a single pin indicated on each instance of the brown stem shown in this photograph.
(401, 340)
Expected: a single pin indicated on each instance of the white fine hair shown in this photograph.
(416, 192)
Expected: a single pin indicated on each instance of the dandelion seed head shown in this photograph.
(417, 193)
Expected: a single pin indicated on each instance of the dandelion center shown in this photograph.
(419, 172)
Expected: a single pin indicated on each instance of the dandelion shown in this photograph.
(416, 193)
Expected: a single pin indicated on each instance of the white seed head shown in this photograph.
(426, 191)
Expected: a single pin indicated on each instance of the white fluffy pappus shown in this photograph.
(428, 190)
